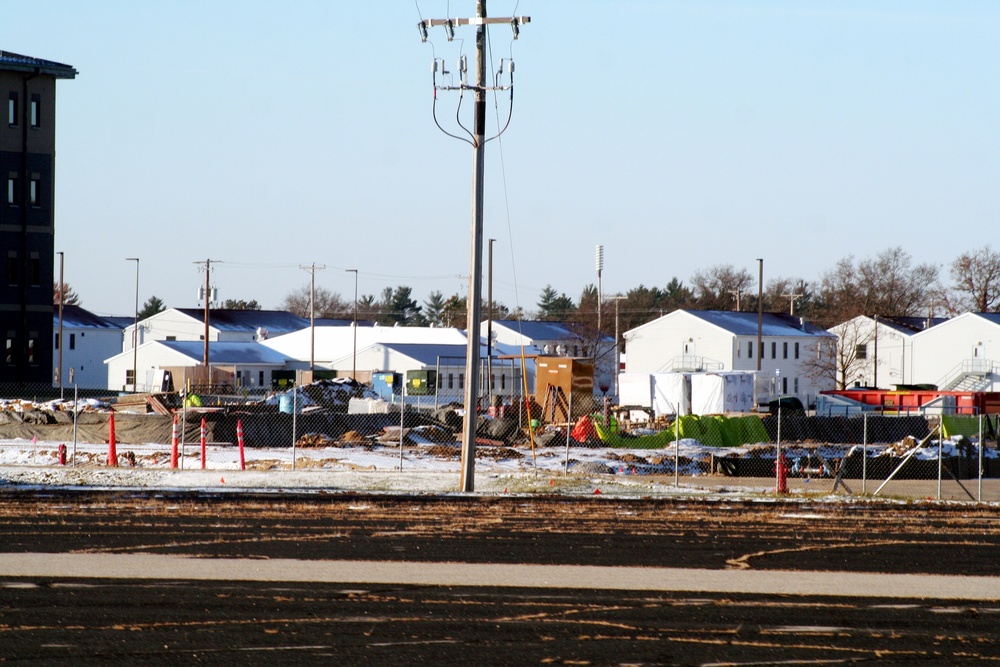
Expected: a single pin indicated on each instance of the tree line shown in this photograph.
(888, 284)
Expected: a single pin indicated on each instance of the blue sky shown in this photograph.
(678, 135)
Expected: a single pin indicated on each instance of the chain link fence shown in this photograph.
(341, 424)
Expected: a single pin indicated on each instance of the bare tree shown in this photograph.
(886, 284)
(849, 360)
(328, 304)
(717, 287)
(977, 281)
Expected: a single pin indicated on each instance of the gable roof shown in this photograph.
(228, 319)
(772, 324)
(15, 62)
(77, 317)
(538, 329)
(911, 325)
(226, 352)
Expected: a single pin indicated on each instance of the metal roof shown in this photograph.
(249, 352)
(745, 324)
(538, 329)
(226, 319)
(911, 325)
(15, 62)
(450, 355)
(77, 317)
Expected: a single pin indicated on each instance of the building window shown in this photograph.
(9, 350)
(750, 350)
(31, 350)
(774, 350)
(33, 191)
(451, 380)
(130, 376)
(72, 341)
(861, 351)
(796, 385)
(36, 112)
(503, 381)
(796, 350)
(784, 350)
(784, 385)
(12, 110)
(461, 380)
(57, 341)
(493, 381)
(260, 378)
(12, 190)
(34, 270)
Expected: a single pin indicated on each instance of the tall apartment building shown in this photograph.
(27, 179)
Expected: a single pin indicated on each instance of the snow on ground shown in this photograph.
(417, 469)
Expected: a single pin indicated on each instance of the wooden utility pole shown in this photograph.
(478, 141)
(312, 269)
(208, 300)
(760, 311)
(791, 301)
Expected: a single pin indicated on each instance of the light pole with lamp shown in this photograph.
(354, 358)
(135, 328)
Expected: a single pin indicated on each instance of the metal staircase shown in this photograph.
(971, 375)
(690, 363)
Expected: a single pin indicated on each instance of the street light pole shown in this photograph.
(135, 329)
(62, 295)
(618, 363)
(354, 357)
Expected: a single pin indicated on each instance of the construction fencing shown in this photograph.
(337, 425)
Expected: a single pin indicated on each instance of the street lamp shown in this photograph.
(62, 297)
(354, 361)
(135, 328)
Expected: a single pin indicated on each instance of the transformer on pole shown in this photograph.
(476, 137)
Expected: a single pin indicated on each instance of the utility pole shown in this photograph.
(62, 297)
(208, 299)
(760, 311)
(791, 301)
(737, 293)
(312, 269)
(477, 140)
(489, 325)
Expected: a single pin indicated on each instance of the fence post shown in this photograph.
(864, 455)
(780, 479)
(677, 447)
(980, 485)
(940, 461)
(76, 415)
(295, 410)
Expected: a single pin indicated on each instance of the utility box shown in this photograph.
(421, 383)
(562, 382)
(387, 384)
